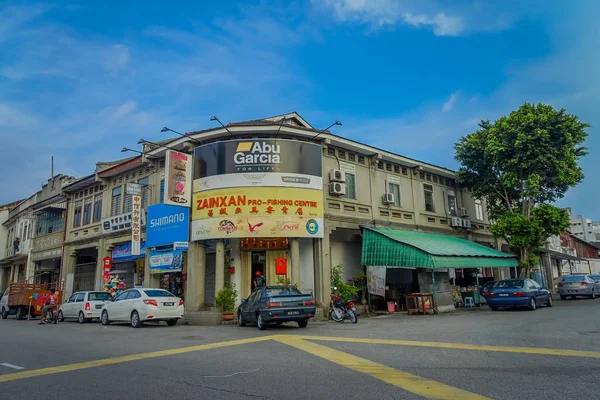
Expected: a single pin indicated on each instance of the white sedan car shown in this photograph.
(137, 306)
(84, 306)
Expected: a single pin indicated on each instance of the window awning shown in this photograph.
(401, 248)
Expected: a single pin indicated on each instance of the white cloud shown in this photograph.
(118, 58)
(449, 104)
(14, 16)
(125, 109)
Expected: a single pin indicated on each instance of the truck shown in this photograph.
(27, 299)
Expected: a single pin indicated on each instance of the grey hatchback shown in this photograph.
(578, 285)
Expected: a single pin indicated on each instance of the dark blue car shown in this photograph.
(518, 293)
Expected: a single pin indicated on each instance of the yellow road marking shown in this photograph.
(460, 346)
(117, 360)
(409, 382)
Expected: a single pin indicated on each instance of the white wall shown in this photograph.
(347, 254)
(3, 232)
(307, 266)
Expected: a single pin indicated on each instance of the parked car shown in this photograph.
(485, 288)
(518, 293)
(137, 306)
(596, 277)
(83, 306)
(276, 304)
(578, 285)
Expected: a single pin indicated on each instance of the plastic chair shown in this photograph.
(469, 302)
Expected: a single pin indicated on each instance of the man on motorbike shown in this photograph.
(50, 304)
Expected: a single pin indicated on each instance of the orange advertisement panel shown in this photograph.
(257, 201)
(269, 226)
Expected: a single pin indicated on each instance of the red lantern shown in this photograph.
(281, 266)
(106, 267)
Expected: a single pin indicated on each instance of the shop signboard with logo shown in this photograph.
(123, 253)
(120, 222)
(162, 261)
(258, 187)
(178, 178)
(167, 224)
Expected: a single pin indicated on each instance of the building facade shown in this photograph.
(581, 227)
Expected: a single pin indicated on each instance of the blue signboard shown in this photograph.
(167, 224)
(123, 253)
(163, 261)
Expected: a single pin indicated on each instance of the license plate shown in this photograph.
(168, 304)
(98, 306)
(503, 295)
(572, 291)
(293, 312)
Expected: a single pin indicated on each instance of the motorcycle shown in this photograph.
(51, 316)
(340, 311)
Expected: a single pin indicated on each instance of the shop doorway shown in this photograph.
(258, 265)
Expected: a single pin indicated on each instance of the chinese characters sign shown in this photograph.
(120, 222)
(136, 224)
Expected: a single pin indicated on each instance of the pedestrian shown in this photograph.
(259, 281)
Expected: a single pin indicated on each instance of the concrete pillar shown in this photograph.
(236, 261)
(323, 268)
(196, 276)
(295, 261)
(220, 266)
(102, 251)
(67, 273)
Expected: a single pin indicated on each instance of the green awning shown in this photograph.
(400, 248)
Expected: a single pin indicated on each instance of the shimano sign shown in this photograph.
(167, 224)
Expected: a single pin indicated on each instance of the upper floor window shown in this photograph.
(145, 191)
(478, 210)
(350, 186)
(87, 210)
(428, 192)
(115, 205)
(394, 189)
(97, 214)
(127, 203)
(77, 214)
(49, 222)
(452, 205)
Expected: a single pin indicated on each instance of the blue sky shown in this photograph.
(80, 80)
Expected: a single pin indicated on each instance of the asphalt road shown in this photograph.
(551, 353)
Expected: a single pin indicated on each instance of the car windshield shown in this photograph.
(512, 283)
(282, 291)
(574, 278)
(158, 293)
(99, 296)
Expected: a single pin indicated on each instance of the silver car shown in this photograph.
(578, 285)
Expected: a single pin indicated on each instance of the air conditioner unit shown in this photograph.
(463, 212)
(337, 189)
(456, 222)
(466, 223)
(335, 175)
(388, 198)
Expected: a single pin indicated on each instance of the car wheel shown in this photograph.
(563, 297)
(532, 304)
(550, 302)
(303, 323)
(4, 313)
(241, 321)
(260, 324)
(61, 317)
(593, 296)
(20, 312)
(81, 318)
(494, 308)
(172, 322)
(136, 322)
(104, 319)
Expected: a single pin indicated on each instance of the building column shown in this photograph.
(295, 261)
(67, 273)
(220, 266)
(236, 262)
(102, 250)
(196, 276)
(323, 268)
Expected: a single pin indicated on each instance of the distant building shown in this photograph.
(582, 227)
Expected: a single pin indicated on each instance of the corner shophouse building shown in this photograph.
(99, 226)
(358, 185)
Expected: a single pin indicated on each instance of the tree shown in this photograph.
(520, 163)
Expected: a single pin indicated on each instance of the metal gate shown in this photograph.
(85, 277)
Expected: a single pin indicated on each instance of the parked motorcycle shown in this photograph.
(340, 311)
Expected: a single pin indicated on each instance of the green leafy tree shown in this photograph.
(346, 290)
(520, 163)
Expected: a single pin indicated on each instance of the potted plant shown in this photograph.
(361, 283)
(225, 301)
